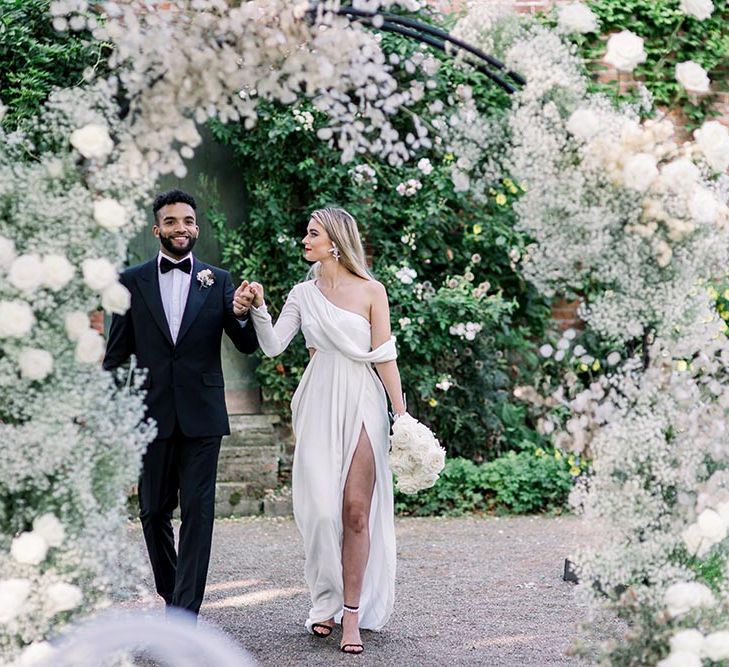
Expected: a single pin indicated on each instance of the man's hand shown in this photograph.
(242, 299)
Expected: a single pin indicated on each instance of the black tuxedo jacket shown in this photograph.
(185, 379)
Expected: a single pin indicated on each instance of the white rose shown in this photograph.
(434, 461)
(75, 323)
(695, 542)
(37, 653)
(98, 273)
(716, 646)
(680, 659)
(680, 175)
(703, 206)
(16, 319)
(576, 17)
(110, 214)
(7, 252)
(583, 124)
(689, 641)
(92, 141)
(692, 77)
(723, 511)
(89, 347)
(35, 364)
(712, 139)
(640, 171)
(29, 548)
(57, 272)
(625, 51)
(686, 595)
(116, 299)
(699, 9)
(712, 526)
(546, 350)
(26, 273)
(13, 593)
(63, 597)
(50, 529)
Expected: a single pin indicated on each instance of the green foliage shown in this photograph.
(34, 58)
(459, 249)
(670, 37)
(518, 482)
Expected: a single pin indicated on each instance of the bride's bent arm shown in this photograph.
(273, 340)
(381, 333)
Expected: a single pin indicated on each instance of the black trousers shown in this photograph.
(182, 467)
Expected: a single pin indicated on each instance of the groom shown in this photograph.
(179, 310)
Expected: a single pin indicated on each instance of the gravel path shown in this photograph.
(471, 591)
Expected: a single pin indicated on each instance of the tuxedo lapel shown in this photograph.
(148, 278)
(195, 299)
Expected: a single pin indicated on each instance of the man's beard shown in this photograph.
(170, 247)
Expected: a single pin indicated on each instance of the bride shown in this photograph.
(342, 486)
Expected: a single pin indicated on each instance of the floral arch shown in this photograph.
(610, 200)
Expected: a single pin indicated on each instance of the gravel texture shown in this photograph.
(470, 591)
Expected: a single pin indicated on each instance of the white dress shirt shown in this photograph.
(174, 286)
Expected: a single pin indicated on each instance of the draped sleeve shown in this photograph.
(274, 339)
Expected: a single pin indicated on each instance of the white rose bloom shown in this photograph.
(7, 252)
(712, 138)
(63, 597)
(98, 273)
(689, 641)
(16, 319)
(29, 548)
(613, 358)
(38, 653)
(57, 272)
(583, 124)
(576, 17)
(546, 350)
(716, 646)
(680, 659)
(110, 214)
(26, 273)
(699, 9)
(35, 364)
(703, 206)
(92, 141)
(625, 51)
(680, 175)
(434, 462)
(75, 323)
(13, 593)
(695, 541)
(712, 526)
(89, 347)
(640, 171)
(116, 299)
(723, 511)
(50, 528)
(686, 595)
(692, 77)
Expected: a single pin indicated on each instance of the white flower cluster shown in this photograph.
(362, 174)
(406, 275)
(416, 456)
(71, 444)
(409, 188)
(690, 647)
(465, 330)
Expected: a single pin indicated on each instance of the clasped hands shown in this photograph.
(247, 295)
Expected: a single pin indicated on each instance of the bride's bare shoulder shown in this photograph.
(375, 290)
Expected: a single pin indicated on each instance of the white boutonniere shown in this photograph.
(206, 278)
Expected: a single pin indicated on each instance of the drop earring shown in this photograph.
(335, 252)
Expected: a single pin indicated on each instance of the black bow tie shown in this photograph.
(166, 265)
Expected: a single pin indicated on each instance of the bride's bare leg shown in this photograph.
(356, 542)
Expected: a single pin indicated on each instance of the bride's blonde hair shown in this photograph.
(342, 229)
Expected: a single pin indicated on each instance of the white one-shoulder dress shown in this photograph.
(338, 395)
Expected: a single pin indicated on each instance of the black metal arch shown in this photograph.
(438, 39)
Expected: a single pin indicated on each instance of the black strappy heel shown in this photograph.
(351, 649)
(326, 630)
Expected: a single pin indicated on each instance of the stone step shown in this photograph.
(235, 498)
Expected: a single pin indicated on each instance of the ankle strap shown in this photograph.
(351, 610)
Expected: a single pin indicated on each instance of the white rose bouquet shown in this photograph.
(416, 456)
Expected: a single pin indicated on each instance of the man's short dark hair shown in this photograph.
(172, 197)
